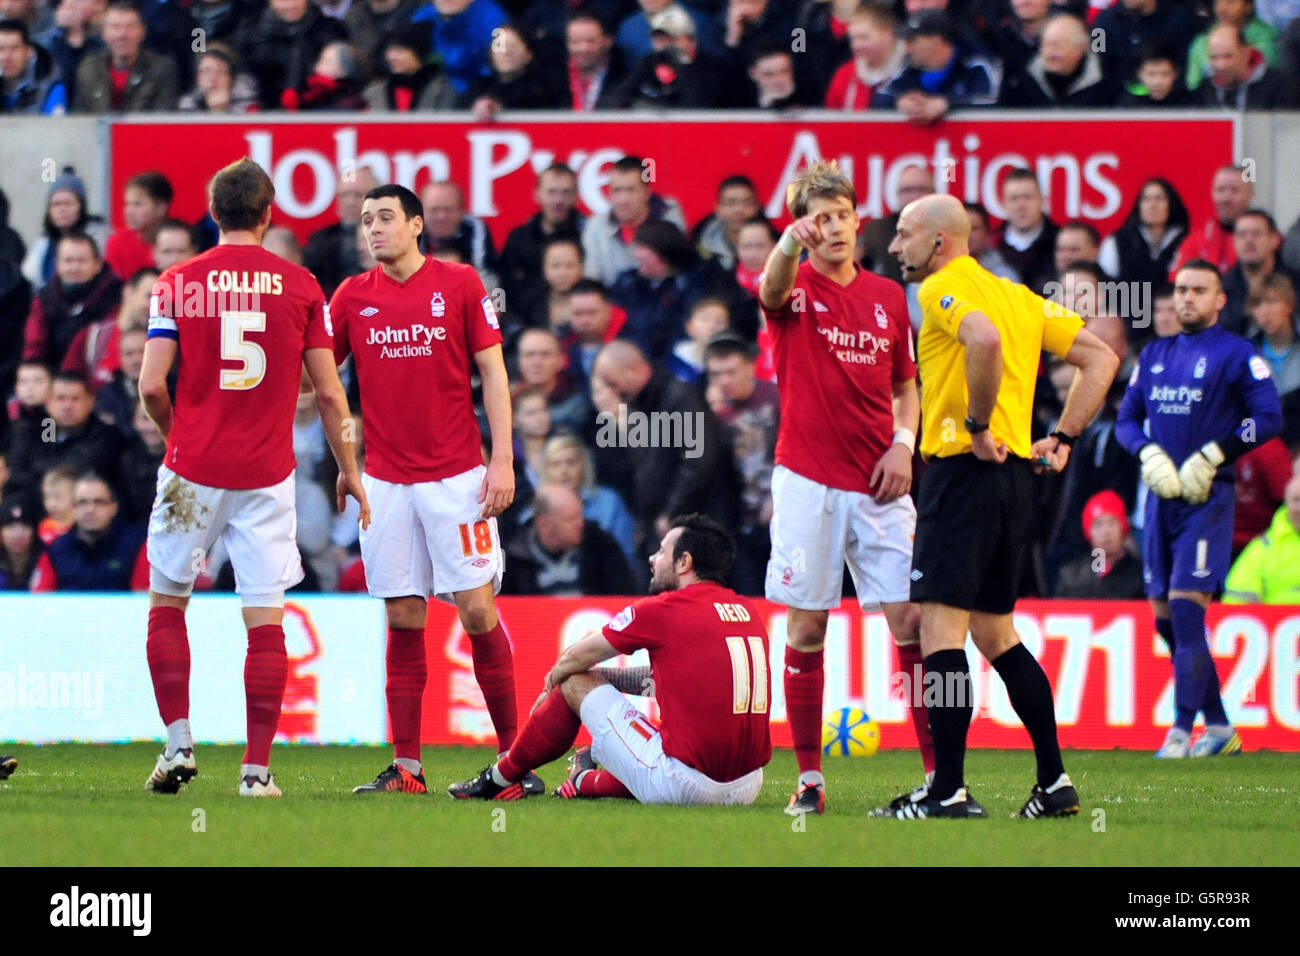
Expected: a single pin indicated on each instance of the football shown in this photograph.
(849, 732)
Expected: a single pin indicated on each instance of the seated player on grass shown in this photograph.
(708, 653)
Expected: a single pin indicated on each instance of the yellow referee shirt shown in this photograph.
(1028, 324)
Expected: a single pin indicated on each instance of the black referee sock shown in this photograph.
(948, 701)
(1031, 696)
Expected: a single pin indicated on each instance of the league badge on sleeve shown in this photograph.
(624, 618)
(1259, 368)
(490, 313)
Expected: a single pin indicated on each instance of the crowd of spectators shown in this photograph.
(919, 58)
(633, 310)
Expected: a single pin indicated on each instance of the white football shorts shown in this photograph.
(430, 537)
(816, 529)
(625, 743)
(258, 526)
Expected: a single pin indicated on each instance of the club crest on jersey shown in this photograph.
(490, 313)
(437, 306)
(369, 310)
(882, 320)
(1199, 371)
(1259, 368)
(624, 618)
(946, 302)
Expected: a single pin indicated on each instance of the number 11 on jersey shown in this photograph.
(748, 684)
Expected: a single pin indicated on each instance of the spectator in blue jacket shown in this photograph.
(29, 81)
(102, 552)
(939, 74)
(462, 36)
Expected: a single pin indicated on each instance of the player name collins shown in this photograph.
(249, 283)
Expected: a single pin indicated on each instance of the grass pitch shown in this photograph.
(73, 805)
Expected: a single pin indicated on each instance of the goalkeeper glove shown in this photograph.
(1159, 473)
(1197, 473)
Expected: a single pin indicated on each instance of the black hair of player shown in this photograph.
(87, 238)
(1203, 265)
(408, 200)
(589, 287)
(710, 545)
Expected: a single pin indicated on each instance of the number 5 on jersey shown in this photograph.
(748, 683)
(236, 348)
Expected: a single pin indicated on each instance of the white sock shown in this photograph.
(1177, 733)
(812, 778)
(1062, 781)
(178, 736)
(499, 780)
(409, 764)
(1222, 731)
(254, 770)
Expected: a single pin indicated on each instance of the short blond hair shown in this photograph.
(822, 179)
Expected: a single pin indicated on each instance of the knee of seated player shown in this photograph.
(806, 630)
(993, 634)
(478, 612)
(406, 613)
(576, 688)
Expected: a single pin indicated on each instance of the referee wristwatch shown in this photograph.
(974, 427)
(1063, 439)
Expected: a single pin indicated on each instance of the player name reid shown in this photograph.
(248, 283)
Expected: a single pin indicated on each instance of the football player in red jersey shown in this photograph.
(708, 652)
(849, 413)
(414, 327)
(245, 321)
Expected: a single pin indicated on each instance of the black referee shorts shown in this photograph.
(972, 532)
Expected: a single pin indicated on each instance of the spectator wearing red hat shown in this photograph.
(1111, 572)
(24, 565)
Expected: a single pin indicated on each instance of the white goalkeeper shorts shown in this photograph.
(816, 529)
(258, 526)
(430, 537)
(625, 743)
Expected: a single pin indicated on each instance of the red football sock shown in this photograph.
(407, 675)
(168, 650)
(547, 735)
(909, 663)
(494, 669)
(804, 685)
(265, 670)
(602, 783)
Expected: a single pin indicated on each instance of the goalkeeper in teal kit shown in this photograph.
(1196, 402)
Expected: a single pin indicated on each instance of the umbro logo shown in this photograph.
(917, 575)
(369, 311)
(817, 306)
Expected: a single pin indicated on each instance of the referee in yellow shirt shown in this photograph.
(977, 358)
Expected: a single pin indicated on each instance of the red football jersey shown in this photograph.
(709, 656)
(243, 318)
(839, 350)
(413, 343)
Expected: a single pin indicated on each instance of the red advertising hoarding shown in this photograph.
(1110, 672)
(1090, 168)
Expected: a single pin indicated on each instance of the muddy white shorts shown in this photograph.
(258, 527)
